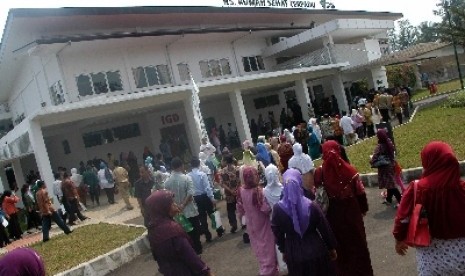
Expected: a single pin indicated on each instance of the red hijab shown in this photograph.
(337, 173)
(251, 181)
(162, 227)
(442, 192)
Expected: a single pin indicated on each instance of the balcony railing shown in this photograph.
(315, 58)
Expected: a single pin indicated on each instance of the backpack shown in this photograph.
(109, 176)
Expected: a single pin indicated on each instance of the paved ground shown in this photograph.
(228, 256)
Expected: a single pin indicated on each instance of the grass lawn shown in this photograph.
(63, 252)
(435, 123)
(442, 87)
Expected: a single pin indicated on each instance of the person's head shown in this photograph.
(40, 184)
(22, 261)
(24, 189)
(438, 156)
(56, 175)
(344, 113)
(116, 163)
(103, 165)
(161, 204)
(229, 159)
(7, 193)
(330, 147)
(176, 164)
(65, 175)
(74, 171)
(81, 164)
(246, 145)
(250, 178)
(109, 155)
(382, 135)
(195, 163)
(261, 139)
(297, 149)
(144, 172)
(272, 174)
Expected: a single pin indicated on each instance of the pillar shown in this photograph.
(193, 126)
(19, 175)
(4, 181)
(303, 98)
(240, 117)
(379, 77)
(339, 92)
(42, 159)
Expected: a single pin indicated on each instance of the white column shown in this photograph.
(339, 92)
(42, 159)
(192, 127)
(303, 98)
(4, 181)
(240, 117)
(18, 169)
(379, 77)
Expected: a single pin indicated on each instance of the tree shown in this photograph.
(453, 20)
(428, 32)
(404, 37)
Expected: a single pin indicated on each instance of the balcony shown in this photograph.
(315, 58)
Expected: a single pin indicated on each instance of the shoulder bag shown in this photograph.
(321, 196)
(418, 229)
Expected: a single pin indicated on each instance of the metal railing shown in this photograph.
(319, 57)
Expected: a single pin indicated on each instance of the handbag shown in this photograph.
(321, 196)
(184, 222)
(381, 161)
(215, 218)
(418, 229)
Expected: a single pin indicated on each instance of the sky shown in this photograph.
(412, 10)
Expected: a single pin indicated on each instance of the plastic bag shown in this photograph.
(185, 223)
(4, 222)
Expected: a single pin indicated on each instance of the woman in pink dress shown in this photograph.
(251, 202)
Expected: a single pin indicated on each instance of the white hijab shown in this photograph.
(274, 188)
(75, 177)
(289, 136)
(300, 160)
(316, 128)
(203, 167)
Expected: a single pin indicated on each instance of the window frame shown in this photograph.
(259, 65)
(158, 76)
(220, 66)
(92, 84)
(57, 94)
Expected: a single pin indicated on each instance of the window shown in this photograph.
(146, 76)
(66, 147)
(98, 83)
(56, 93)
(215, 67)
(110, 135)
(183, 71)
(253, 64)
(267, 101)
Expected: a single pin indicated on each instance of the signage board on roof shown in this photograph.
(271, 3)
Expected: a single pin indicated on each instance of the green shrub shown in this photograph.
(456, 101)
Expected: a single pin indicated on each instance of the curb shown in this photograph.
(408, 175)
(436, 95)
(106, 263)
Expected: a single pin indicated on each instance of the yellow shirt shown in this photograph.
(120, 174)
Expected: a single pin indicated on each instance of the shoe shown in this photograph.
(85, 218)
(69, 232)
(208, 237)
(233, 229)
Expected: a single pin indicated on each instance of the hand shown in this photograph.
(401, 248)
(333, 255)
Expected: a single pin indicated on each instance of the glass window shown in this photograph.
(114, 80)
(152, 75)
(163, 74)
(225, 68)
(204, 69)
(183, 71)
(84, 85)
(246, 63)
(253, 63)
(215, 67)
(139, 77)
(100, 83)
(261, 65)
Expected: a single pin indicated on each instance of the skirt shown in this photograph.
(442, 257)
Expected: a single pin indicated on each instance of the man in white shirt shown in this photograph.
(58, 193)
(347, 125)
(203, 197)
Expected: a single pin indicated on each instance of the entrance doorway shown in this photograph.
(176, 136)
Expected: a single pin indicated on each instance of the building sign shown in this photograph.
(270, 3)
(169, 119)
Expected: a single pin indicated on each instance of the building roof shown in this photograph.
(410, 54)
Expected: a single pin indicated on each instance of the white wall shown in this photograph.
(221, 110)
(373, 49)
(355, 54)
(253, 113)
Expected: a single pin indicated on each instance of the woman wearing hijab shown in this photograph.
(347, 206)
(251, 202)
(442, 194)
(386, 174)
(248, 158)
(263, 155)
(274, 188)
(304, 164)
(316, 128)
(133, 168)
(274, 155)
(22, 262)
(171, 246)
(302, 232)
(285, 151)
(314, 145)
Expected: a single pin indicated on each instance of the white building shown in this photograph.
(78, 83)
